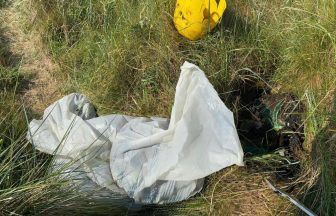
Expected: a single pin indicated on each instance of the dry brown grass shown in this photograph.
(239, 191)
(43, 88)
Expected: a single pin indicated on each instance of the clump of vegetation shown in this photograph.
(23, 185)
(125, 55)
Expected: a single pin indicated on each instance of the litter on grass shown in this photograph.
(153, 160)
(195, 18)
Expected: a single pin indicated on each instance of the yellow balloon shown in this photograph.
(194, 18)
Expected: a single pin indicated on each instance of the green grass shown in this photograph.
(24, 185)
(125, 55)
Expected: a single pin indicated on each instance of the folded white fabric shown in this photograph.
(153, 159)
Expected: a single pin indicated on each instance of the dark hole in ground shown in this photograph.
(270, 128)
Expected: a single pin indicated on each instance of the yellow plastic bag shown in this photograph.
(194, 18)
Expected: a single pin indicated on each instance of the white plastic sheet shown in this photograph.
(154, 160)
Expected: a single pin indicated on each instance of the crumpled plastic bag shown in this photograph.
(154, 160)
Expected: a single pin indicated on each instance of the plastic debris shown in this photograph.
(291, 199)
(154, 160)
(194, 18)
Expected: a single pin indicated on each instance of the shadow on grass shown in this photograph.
(5, 3)
(11, 78)
(234, 24)
(8, 59)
